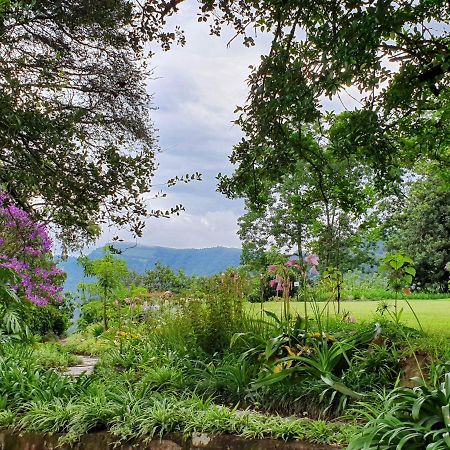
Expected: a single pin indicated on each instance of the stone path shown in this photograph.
(86, 366)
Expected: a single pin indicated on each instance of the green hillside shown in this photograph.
(194, 261)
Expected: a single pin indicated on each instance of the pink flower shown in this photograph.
(313, 272)
(312, 259)
(272, 269)
(291, 263)
(273, 283)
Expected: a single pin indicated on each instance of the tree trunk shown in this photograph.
(105, 316)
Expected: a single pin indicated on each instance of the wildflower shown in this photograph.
(312, 259)
(273, 283)
(272, 269)
(313, 271)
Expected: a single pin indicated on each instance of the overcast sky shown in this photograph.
(196, 89)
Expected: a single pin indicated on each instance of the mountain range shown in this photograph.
(139, 258)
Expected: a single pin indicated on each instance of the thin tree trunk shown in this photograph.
(105, 316)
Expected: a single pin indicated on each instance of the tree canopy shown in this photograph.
(78, 147)
(318, 209)
(391, 52)
(77, 143)
(394, 55)
(420, 227)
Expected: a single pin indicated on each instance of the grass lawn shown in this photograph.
(434, 315)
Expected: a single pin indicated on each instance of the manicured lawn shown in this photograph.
(434, 315)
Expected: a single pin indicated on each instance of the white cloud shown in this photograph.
(210, 229)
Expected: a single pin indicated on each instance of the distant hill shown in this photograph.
(194, 261)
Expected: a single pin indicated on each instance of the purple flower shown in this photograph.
(32, 251)
(26, 249)
(273, 283)
(313, 272)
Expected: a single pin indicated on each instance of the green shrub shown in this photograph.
(86, 344)
(416, 418)
(90, 313)
(217, 317)
(54, 356)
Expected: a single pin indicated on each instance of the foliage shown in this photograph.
(413, 419)
(139, 407)
(217, 316)
(400, 271)
(109, 272)
(309, 356)
(53, 320)
(309, 210)
(163, 278)
(333, 280)
(287, 273)
(11, 308)
(53, 356)
(419, 227)
(255, 258)
(88, 344)
(76, 134)
(375, 367)
(319, 50)
(29, 278)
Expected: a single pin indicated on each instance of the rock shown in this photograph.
(414, 366)
(200, 439)
(164, 445)
(86, 366)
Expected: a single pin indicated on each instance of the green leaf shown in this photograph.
(410, 270)
(273, 316)
(408, 279)
(340, 387)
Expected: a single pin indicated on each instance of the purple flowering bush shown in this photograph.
(25, 248)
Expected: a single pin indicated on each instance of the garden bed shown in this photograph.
(11, 440)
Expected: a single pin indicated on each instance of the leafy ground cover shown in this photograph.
(207, 360)
(215, 365)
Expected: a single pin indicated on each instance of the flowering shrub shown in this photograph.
(285, 274)
(25, 248)
(292, 270)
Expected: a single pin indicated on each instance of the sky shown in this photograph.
(195, 89)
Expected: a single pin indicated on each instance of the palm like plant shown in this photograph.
(412, 419)
(11, 309)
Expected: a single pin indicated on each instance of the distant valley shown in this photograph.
(194, 261)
